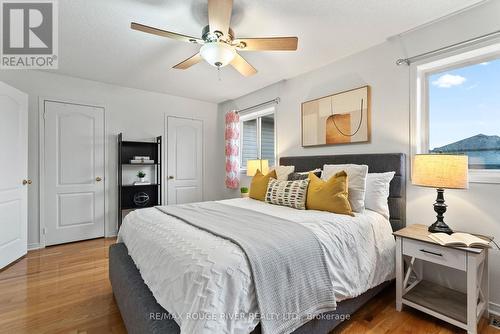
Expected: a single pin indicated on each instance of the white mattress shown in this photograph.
(205, 281)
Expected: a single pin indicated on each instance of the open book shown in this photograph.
(459, 240)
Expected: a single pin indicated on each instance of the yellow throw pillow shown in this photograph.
(258, 187)
(330, 195)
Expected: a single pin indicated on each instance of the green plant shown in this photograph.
(244, 190)
(141, 174)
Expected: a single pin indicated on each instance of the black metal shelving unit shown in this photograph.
(138, 196)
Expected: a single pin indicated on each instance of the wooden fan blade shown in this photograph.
(165, 33)
(193, 60)
(242, 66)
(267, 43)
(219, 15)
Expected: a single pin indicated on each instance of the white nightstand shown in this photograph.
(413, 247)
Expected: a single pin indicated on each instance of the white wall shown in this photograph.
(138, 114)
(474, 210)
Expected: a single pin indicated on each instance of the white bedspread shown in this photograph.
(205, 281)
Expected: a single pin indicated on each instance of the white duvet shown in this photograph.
(205, 281)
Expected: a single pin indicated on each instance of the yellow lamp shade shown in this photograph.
(441, 171)
(254, 165)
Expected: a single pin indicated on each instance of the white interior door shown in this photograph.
(13, 174)
(184, 160)
(73, 172)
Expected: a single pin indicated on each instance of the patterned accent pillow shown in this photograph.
(287, 193)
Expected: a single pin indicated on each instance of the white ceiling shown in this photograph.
(96, 41)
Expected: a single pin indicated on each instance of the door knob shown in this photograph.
(171, 177)
(28, 181)
(98, 179)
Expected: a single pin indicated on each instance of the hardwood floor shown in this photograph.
(65, 289)
(60, 289)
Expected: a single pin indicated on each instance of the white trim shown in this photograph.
(439, 19)
(494, 308)
(34, 246)
(259, 137)
(419, 104)
(41, 170)
(276, 157)
(41, 165)
(484, 175)
(258, 113)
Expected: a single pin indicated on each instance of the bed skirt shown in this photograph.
(143, 315)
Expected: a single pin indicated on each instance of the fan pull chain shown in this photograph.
(218, 73)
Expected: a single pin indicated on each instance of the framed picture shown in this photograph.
(341, 118)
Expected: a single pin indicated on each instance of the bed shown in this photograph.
(137, 300)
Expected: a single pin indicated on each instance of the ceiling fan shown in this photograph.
(219, 45)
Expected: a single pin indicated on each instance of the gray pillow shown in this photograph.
(302, 175)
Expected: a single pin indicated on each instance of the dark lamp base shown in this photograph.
(440, 228)
(440, 208)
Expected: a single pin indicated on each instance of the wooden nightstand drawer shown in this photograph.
(445, 256)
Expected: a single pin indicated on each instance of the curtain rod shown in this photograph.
(451, 47)
(276, 101)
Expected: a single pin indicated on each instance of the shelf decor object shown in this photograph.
(142, 176)
(140, 194)
(440, 171)
(244, 192)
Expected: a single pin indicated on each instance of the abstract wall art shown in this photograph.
(340, 118)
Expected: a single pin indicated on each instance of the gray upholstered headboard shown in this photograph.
(377, 163)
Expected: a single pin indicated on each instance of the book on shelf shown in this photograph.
(142, 157)
(137, 183)
(459, 240)
(135, 161)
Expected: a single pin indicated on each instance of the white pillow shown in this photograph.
(377, 192)
(356, 181)
(283, 171)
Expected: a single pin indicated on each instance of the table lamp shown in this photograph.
(440, 171)
(259, 164)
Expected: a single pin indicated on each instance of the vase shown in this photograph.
(244, 195)
(141, 179)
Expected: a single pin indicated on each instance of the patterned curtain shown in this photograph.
(232, 136)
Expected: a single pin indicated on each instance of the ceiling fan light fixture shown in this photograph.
(219, 45)
(218, 54)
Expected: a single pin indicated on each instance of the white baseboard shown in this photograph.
(34, 246)
(494, 308)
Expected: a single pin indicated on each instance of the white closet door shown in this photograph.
(73, 172)
(184, 160)
(13, 174)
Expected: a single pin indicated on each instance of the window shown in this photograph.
(464, 113)
(258, 137)
(249, 149)
(458, 109)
